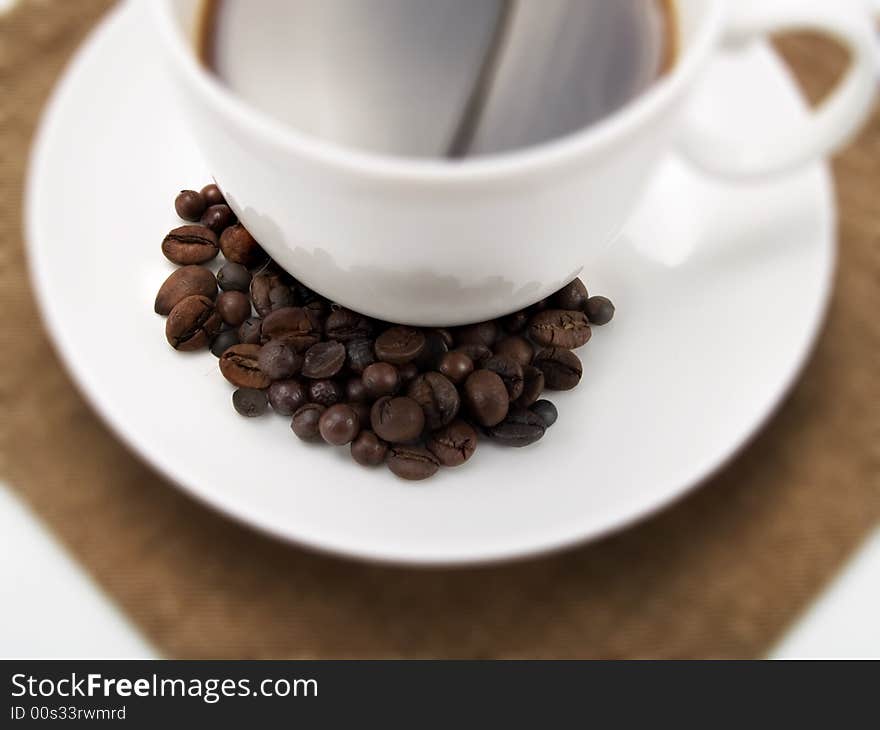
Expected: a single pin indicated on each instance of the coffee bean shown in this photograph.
(223, 341)
(477, 353)
(437, 397)
(571, 296)
(397, 419)
(516, 322)
(240, 366)
(562, 368)
(408, 372)
(287, 396)
(447, 337)
(324, 360)
(218, 218)
(278, 361)
(516, 348)
(456, 366)
(538, 306)
(412, 462)
(368, 449)
(234, 277)
(239, 246)
(381, 378)
(192, 324)
(486, 397)
(234, 307)
(547, 412)
(510, 371)
(482, 333)
(533, 386)
(399, 345)
(360, 355)
(250, 402)
(599, 310)
(560, 328)
(435, 348)
(189, 205)
(520, 428)
(281, 296)
(182, 283)
(305, 421)
(325, 392)
(343, 325)
(192, 244)
(356, 391)
(250, 332)
(212, 195)
(454, 444)
(339, 425)
(363, 412)
(261, 288)
(304, 295)
(293, 325)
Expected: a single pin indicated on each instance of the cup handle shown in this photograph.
(830, 126)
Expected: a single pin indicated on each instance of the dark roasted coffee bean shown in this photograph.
(294, 325)
(239, 246)
(304, 295)
(218, 218)
(223, 341)
(250, 332)
(184, 282)
(189, 205)
(368, 449)
(486, 397)
(438, 398)
(446, 334)
(562, 368)
(240, 366)
(533, 386)
(234, 277)
(278, 361)
(192, 324)
(412, 462)
(356, 391)
(435, 348)
(344, 325)
(363, 411)
(538, 306)
(520, 428)
(510, 372)
(516, 348)
(193, 244)
(547, 412)
(281, 296)
(339, 425)
(261, 287)
(381, 378)
(560, 328)
(360, 355)
(456, 366)
(482, 333)
(408, 372)
(212, 195)
(399, 345)
(324, 360)
(287, 396)
(397, 419)
(477, 353)
(571, 296)
(454, 444)
(305, 421)
(234, 307)
(599, 310)
(250, 402)
(325, 392)
(516, 322)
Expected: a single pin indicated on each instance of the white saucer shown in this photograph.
(719, 291)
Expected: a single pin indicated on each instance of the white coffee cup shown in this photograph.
(439, 242)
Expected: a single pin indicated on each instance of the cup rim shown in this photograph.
(379, 166)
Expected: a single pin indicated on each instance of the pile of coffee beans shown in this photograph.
(413, 398)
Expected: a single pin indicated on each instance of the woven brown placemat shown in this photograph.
(721, 574)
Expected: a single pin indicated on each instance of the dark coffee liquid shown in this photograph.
(430, 79)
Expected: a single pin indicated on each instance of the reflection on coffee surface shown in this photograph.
(437, 78)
